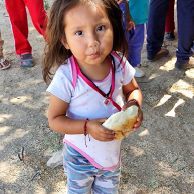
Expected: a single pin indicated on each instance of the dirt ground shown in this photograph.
(157, 159)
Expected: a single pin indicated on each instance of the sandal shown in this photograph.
(4, 64)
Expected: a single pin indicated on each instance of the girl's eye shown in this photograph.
(79, 33)
(101, 28)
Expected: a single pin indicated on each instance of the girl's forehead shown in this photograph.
(91, 5)
(90, 8)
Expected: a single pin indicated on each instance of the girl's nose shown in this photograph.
(93, 47)
(93, 41)
(94, 44)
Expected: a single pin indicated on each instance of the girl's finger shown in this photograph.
(107, 136)
(108, 131)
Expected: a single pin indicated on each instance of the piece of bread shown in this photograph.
(122, 122)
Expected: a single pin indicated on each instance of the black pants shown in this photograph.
(185, 12)
(156, 27)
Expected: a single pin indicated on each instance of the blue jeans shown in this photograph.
(156, 27)
(185, 13)
(135, 39)
(82, 177)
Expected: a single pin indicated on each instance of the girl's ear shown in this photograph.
(64, 43)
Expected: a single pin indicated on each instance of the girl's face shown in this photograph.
(89, 34)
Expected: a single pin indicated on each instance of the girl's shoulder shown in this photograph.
(64, 70)
(61, 84)
(120, 61)
(122, 66)
(63, 74)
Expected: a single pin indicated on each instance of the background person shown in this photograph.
(18, 17)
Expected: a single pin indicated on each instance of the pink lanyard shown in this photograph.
(108, 96)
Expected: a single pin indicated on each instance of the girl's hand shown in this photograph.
(130, 25)
(140, 113)
(98, 132)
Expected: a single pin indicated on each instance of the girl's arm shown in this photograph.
(57, 119)
(132, 91)
(133, 96)
(62, 124)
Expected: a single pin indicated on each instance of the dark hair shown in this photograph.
(55, 53)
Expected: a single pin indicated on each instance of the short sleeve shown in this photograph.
(61, 85)
(128, 73)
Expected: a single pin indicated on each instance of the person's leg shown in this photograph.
(185, 12)
(17, 13)
(80, 173)
(38, 14)
(135, 45)
(156, 26)
(169, 23)
(106, 182)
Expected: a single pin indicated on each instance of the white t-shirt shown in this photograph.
(85, 102)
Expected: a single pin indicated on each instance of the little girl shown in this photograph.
(93, 80)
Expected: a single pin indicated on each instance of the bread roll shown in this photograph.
(122, 122)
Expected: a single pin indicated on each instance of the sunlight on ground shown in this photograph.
(60, 186)
(190, 179)
(190, 73)
(12, 173)
(39, 190)
(166, 169)
(144, 133)
(163, 100)
(30, 82)
(137, 151)
(10, 137)
(45, 100)
(2, 147)
(172, 113)
(20, 99)
(154, 75)
(19, 133)
(4, 130)
(169, 65)
(4, 117)
(184, 88)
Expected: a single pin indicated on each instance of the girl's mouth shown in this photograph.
(94, 55)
